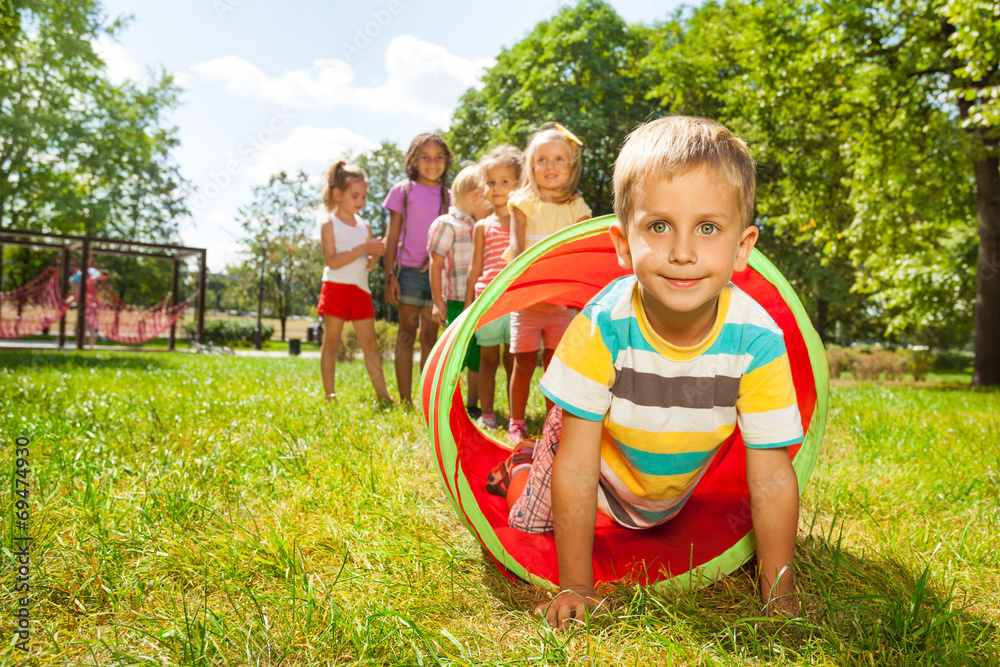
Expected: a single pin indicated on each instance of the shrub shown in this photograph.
(864, 365)
(231, 331)
(919, 364)
(893, 364)
(385, 335)
(836, 357)
(954, 361)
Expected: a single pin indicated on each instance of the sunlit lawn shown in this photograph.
(205, 510)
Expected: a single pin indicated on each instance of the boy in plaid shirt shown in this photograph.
(450, 246)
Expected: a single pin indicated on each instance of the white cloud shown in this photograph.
(424, 79)
(311, 149)
(118, 66)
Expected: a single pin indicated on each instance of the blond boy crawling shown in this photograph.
(660, 367)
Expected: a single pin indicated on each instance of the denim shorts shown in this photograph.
(415, 287)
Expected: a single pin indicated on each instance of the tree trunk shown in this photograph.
(986, 367)
(822, 316)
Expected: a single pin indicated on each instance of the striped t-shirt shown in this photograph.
(666, 409)
(496, 238)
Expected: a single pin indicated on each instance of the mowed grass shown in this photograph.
(203, 510)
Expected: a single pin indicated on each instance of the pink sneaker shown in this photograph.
(516, 434)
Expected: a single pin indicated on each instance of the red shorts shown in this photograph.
(345, 302)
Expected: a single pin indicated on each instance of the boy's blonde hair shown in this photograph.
(339, 176)
(553, 132)
(469, 179)
(674, 145)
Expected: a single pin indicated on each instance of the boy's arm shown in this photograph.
(476, 267)
(575, 476)
(518, 225)
(774, 508)
(440, 311)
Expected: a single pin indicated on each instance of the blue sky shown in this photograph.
(295, 86)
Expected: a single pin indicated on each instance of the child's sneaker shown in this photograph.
(498, 481)
(487, 421)
(474, 411)
(516, 433)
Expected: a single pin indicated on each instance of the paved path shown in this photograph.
(71, 347)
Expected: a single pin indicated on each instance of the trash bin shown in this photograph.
(310, 333)
(295, 346)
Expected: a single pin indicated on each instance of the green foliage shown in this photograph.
(873, 124)
(230, 331)
(579, 68)
(78, 153)
(385, 335)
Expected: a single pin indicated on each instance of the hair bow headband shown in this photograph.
(569, 135)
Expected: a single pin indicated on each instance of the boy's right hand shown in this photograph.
(573, 604)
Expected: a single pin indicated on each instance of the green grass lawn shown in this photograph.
(205, 510)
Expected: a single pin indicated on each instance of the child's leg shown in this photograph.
(472, 400)
(529, 496)
(526, 340)
(365, 330)
(508, 366)
(489, 359)
(520, 383)
(428, 336)
(409, 317)
(553, 329)
(332, 326)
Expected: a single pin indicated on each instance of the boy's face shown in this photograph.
(684, 241)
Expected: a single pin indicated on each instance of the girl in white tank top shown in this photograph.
(349, 252)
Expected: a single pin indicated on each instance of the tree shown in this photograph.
(579, 68)
(284, 254)
(876, 124)
(79, 154)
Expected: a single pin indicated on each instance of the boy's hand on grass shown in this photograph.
(571, 605)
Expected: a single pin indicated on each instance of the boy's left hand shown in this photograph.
(572, 605)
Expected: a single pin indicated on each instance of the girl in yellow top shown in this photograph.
(547, 202)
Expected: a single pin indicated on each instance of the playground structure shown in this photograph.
(47, 298)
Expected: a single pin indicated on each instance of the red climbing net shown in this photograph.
(120, 322)
(30, 308)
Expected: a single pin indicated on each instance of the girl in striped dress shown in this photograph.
(501, 175)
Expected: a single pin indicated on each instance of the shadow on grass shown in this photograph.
(861, 610)
(73, 360)
(856, 609)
